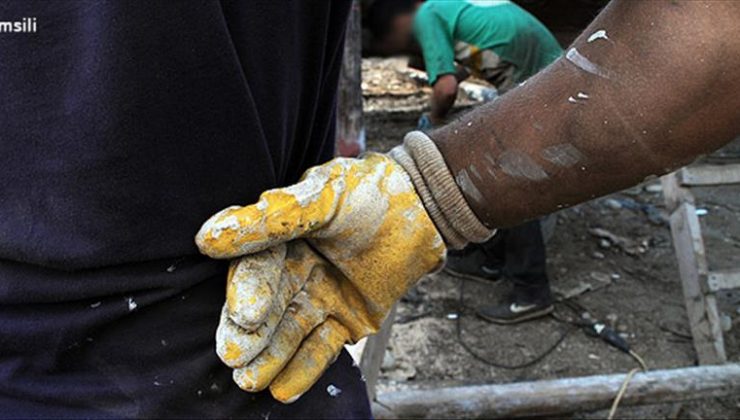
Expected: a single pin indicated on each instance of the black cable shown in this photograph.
(590, 327)
(535, 360)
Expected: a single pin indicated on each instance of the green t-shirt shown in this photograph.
(513, 34)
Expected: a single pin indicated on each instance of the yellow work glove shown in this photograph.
(320, 264)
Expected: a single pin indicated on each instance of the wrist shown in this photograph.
(439, 192)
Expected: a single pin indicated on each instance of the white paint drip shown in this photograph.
(578, 99)
(600, 34)
(95, 305)
(333, 390)
(132, 304)
(584, 63)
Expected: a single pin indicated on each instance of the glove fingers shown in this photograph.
(235, 345)
(299, 320)
(317, 352)
(252, 286)
(280, 215)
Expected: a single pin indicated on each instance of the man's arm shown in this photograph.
(443, 98)
(649, 86)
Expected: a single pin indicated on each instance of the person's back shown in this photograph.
(512, 33)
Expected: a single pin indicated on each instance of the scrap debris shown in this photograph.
(628, 246)
(655, 215)
(597, 281)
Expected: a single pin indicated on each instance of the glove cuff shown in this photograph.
(449, 234)
(440, 194)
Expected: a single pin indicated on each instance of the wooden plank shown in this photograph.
(373, 353)
(723, 280)
(561, 396)
(350, 126)
(673, 193)
(701, 305)
(703, 175)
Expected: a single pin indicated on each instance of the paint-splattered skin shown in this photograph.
(656, 86)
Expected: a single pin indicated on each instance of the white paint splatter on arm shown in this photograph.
(600, 34)
(585, 64)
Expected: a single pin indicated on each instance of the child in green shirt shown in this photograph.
(495, 40)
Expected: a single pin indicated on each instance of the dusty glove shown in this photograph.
(324, 260)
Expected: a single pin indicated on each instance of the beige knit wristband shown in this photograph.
(440, 194)
(450, 235)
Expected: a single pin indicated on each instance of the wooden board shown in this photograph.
(673, 193)
(350, 140)
(373, 353)
(704, 175)
(560, 396)
(701, 305)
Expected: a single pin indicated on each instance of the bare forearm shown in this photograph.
(440, 107)
(444, 94)
(656, 88)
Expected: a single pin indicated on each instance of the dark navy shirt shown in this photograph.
(123, 126)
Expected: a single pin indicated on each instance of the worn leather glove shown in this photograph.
(323, 261)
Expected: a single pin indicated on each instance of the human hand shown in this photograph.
(319, 264)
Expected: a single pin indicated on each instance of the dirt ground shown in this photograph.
(635, 288)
